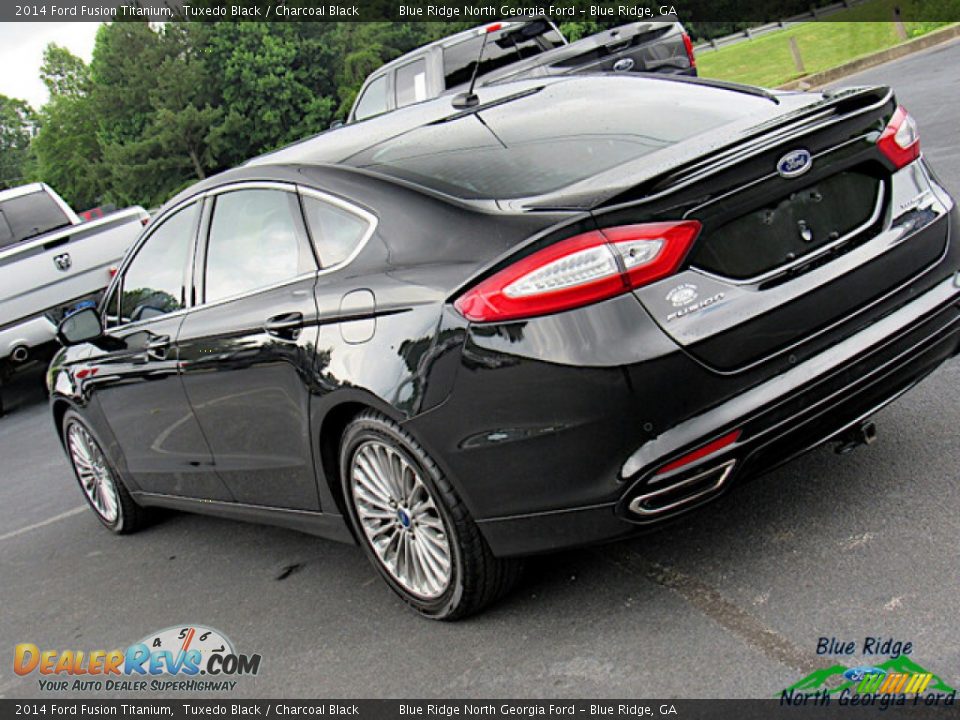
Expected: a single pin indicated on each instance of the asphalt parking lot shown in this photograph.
(730, 602)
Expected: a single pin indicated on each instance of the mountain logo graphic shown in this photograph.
(897, 675)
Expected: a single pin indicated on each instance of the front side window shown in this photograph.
(374, 99)
(254, 243)
(153, 283)
(336, 232)
(411, 82)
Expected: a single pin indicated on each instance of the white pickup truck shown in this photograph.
(51, 262)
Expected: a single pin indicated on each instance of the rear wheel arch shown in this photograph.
(332, 427)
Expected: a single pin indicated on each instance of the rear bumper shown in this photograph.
(27, 335)
(779, 419)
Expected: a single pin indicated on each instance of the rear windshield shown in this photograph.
(503, 48)
(548, 140)
(29, 216)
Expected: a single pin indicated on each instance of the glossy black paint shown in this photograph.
(547, 427)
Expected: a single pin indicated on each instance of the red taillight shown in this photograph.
(144, 221)
(900, 139)
(580, 270)
(688, 46)
(702, 452)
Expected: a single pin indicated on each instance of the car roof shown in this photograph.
(337, 148)
(338, 145)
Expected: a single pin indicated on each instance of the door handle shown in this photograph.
(286, 326)
(157, 347)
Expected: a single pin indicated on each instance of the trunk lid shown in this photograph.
(807, 235)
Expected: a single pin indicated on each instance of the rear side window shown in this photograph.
(411, 82)
(503, 48)
(30, 216)
(337, 233)
(152, 284)
(254, 243)
(374, 99)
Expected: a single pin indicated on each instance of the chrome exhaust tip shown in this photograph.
(852, 438)
(661, 498)
(20, 354)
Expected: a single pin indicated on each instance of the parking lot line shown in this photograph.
(42, 523)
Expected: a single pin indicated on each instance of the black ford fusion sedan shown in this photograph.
(460, 336)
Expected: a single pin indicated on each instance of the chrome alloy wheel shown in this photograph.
(96, 479)
(401, 520)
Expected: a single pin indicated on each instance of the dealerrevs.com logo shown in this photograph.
(188, 658)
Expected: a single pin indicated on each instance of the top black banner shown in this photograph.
(482, 11)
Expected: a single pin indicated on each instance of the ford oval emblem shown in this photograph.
(623, 65)
(794, 163)
(682, 294)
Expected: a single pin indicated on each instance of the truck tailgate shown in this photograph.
(42, 274)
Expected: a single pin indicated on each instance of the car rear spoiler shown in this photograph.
(688, 162)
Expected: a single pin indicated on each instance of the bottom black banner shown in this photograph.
(811, 706)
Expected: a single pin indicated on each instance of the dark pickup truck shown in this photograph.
(521, 49)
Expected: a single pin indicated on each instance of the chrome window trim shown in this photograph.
(304, 191)
(371, 220)
(251, 185)
(254, 292)
(122, 329)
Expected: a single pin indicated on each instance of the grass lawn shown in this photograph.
(767, 60)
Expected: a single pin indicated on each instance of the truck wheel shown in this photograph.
(413, 526)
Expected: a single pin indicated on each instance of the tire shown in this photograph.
(396, 497)
(100, 483)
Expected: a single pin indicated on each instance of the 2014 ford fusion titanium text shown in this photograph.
(457, 337)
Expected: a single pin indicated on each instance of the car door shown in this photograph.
(137, 384)
(247, 350)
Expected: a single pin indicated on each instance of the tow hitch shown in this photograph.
(849, 440)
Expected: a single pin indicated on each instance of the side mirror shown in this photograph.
(336, 124)
(81, 327)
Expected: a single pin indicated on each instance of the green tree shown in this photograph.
(173, 147)
(275, 85)
(66, 150)
(123, 71)
(16, 121)
(63, 72)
